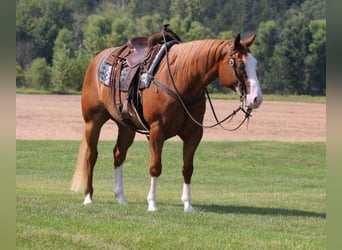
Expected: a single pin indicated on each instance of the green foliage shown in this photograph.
(122, 28)
(246, 195)
(19, 76)
(264, 47)
(78, 66)
(96, 32)
(69, 64)
(64, 42)
(39, 74)
(294, 50)
(148, 24)
(225, 35)
(40, 21)
(290, 44)
(315, 61)
(288, 55)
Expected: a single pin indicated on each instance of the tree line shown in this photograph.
(56, 39)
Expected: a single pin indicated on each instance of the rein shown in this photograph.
(230, 117)
(176, 95)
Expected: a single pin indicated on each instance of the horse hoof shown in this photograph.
(152, 208)
(87, 200)
(122, 201)
(188, 209)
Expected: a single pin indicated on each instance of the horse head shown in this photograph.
(237, 71)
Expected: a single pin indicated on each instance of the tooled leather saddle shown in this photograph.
(133, 66)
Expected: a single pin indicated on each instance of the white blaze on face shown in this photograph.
(254, 95)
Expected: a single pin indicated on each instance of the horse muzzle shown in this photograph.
(253, 100)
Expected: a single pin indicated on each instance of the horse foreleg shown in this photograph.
(189, 148)
(186, 198)
(156, 146)
(124, 141)
(152, 197)
(118, 185)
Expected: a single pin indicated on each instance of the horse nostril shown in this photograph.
(255, 100)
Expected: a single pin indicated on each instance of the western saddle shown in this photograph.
(133, 66)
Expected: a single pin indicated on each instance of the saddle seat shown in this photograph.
(139, 47)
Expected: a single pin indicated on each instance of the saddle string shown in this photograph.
(177, 94)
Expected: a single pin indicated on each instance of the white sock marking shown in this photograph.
(186, 198)
(118, 186)
(151, 197)
(87, 200)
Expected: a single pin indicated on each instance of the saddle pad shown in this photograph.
(105, 71)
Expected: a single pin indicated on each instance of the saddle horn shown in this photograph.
(165, 33)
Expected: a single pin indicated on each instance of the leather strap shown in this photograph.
(117, 86)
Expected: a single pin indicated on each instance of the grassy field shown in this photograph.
(277, 98)
(246, 195)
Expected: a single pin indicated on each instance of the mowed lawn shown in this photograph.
(246, 195)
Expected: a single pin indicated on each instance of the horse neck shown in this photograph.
(198, 62)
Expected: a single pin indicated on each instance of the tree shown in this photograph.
(19, 76)
(275, 78)
(63, 51)
(196, 31)
(315, 61)
(225, 35)
(25, 52)
(96, 33)
(292, 52)
(77, 68)
(122, 29)
(264, 46)
(39, 21)
(39, 74)
(289, 49)
(147, 25)
(139, 8)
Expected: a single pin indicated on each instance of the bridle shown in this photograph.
(241, 86)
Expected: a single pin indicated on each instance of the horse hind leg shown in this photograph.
(87, 156)
(124, 141)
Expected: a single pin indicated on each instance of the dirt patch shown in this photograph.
(58, 117)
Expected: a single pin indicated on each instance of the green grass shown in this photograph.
(277, 98)
(246, 195)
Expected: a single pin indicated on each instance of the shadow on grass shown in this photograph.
(258, 211)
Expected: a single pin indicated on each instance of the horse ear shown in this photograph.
(237, 40)
(250, 40)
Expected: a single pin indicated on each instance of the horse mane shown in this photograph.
(193, 60)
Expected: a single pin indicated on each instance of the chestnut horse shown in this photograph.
(186, 70)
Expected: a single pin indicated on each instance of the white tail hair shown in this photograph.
(80, 175)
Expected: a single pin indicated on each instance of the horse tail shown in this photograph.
(80, 175)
